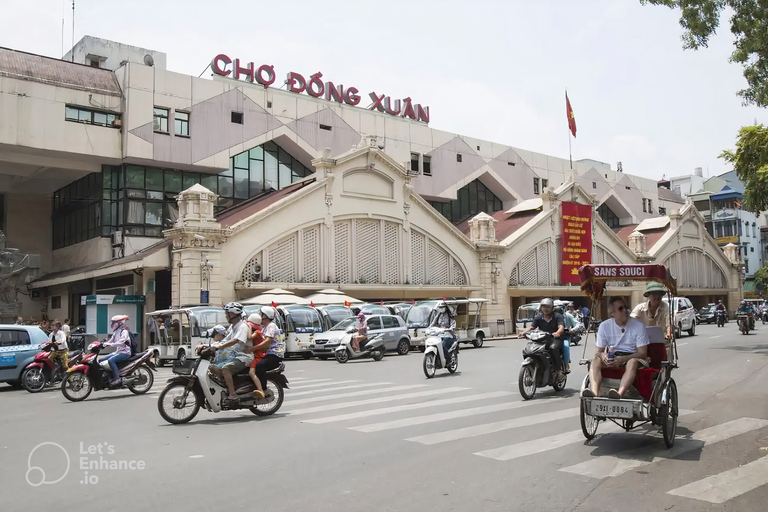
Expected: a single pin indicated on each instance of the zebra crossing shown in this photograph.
(379, 407)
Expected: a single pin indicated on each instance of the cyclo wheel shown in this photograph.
(669, 414)
(588, 423)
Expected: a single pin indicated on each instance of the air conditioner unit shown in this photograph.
(150, 286)
(117, 238)
(117, 252)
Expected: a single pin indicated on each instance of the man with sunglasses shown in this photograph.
(629, 340)
(554, 324)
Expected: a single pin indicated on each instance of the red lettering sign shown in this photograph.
(576, 240)
(265, 75)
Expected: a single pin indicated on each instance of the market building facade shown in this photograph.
(149, 183)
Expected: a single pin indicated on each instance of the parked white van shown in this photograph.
(468, 315)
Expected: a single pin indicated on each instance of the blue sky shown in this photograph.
(492, 70)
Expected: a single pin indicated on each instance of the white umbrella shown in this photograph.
(278, 291)
(281, 299)
(331, 291)
(321, 298)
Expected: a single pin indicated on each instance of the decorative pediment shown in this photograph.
(368, 182)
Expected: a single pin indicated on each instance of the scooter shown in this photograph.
(373, 348)
(745, 323)
(90, 374)
(435, 356)
(194, 386)
(44, 371)
(538, 369)
(720, 315)
(764, 316)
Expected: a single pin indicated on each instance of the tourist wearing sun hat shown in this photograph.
(654, 311)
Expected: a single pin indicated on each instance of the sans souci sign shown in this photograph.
(315, 86)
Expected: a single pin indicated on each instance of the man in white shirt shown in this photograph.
(61, 352)
(629, 340)
(238, 336)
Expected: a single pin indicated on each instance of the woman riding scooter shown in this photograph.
(362, 332)
(444, 320)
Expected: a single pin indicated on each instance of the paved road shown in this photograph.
(378, 436)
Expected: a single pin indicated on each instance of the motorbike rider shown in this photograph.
(61, 352)
(444, 320)
(629, 341)
(746, 309)
(571, 324)
(554, 324)
(362, 332)
(121, 340)
(238, 335)
(274, 344)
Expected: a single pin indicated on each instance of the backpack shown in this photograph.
(134, 345)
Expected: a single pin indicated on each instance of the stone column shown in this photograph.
(197, 240)
(482, 231)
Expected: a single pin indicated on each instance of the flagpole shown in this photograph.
(570, 154)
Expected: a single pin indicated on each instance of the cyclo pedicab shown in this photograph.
(654, 397)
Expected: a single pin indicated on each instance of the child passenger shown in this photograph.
(254, 322)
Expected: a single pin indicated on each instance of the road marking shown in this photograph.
(463, 413)
(515, 451)
(302, 381)
(326, 390)
(718, 336)
(408, 407)
(488, 428)
(325, 384)
(603, 467)
(728, 484)
(681, 344)
(352, 393)
(391, 398)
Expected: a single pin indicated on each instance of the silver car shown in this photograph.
(392, 327)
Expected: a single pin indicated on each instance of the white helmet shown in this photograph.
(255, 318)
(234, 308)
(118, 321)
(269, 312)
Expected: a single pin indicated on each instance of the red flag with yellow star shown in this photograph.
(569, 113)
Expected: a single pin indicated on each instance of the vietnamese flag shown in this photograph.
(569, 113)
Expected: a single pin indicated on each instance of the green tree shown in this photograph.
(749, 24)
(750, 161)
(761, 278)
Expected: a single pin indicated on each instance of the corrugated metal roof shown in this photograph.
(36, 68)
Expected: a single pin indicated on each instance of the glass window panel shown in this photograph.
(285, 175)
(106, 178)
(171, 214)
(84, 116)
(464, 201)
(152, 194)
(154, 213)
(71, 114)
(136, 193)
(111, 119)
(497, 204)
(473, 201)
(481, 204)
(257, 153)
(210, 181)
(134, 230)
(172, 181)
(107, 209)
(225, 186)
(117, 213)
(190, 179)
(100, 118)
(241, 183)
(257, 178)
(148, 231)
(455, 210)
(270, 170)
(490, 205)
(135, 212)
(225, 202)
(241, 160)
(134, 177)
(270, 146)
(154, 178)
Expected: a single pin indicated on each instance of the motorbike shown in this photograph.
(575, 334)
(373, 348)
(744, 323)
(764, 316)
(720, 316)
(90, 374)
(44, 371)
(434, 353)
(538, 369)
(194, 386)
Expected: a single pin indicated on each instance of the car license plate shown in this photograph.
(612, 408)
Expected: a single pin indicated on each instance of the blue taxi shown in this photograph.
(18, 346)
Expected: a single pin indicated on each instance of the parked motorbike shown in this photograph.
(194, 386)
(373, 348)
(743, 322)
(90, 374)
(538, 369)
(44, 371)
(435, 356)
(720, 316)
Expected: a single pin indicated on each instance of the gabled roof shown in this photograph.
(36, 68)
(235, 214)
(726, 193)
(651, 235)
(507, 223)
(668, 195)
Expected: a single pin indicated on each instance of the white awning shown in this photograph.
(527, 205)
(654, 223)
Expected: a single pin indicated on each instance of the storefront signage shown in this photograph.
(90, 300)
(724, 214)
(315, 86)
(577, 240)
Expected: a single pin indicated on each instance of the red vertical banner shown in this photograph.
(576, 241)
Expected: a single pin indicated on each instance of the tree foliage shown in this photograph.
(750, 161)
(761, 278)
(749, 24)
